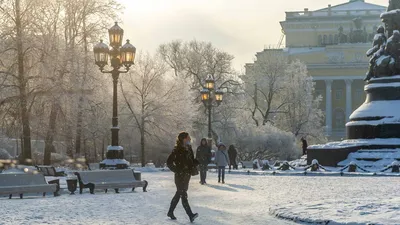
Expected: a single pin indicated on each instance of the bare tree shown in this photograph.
(194, 61)
(264, 81)
(16, 21)
(280, 92)
(154, 100)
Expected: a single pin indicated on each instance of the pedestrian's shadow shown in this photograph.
(222, 188)
(241, 187)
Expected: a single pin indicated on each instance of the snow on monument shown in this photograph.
(373, 131)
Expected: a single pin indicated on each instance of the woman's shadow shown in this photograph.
(241, 187)
(222, 188)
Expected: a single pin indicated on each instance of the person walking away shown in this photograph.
(181, 161)
(221, 160)
(203, 156)
(304, 145)
(232, 157)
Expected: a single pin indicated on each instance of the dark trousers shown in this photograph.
(221, 171)
(203, 173)
(232, 162)
(182, 185)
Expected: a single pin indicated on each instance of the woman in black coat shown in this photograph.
(181, 161)
(203, 156)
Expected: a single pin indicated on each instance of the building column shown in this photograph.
(328, 107)
(348, 99)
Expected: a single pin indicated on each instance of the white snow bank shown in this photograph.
(378, 109)
(372, 86)
(386, 157)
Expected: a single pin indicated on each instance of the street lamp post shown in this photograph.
(208, 95)
(119, 57)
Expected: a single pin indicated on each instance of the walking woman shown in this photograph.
(181, 161)
(203, 156)
(222, 160)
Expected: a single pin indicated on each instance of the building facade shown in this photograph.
(332, 42)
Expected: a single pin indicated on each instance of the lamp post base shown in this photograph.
(114, 164)
(115, 159)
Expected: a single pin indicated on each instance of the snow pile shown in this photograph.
(356, 142)
(146, 169)
(377, 159)
(387, 109)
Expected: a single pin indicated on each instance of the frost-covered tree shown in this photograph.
(157, 103)
(281, 93)
(302, 115)
(4, 154)
(265, 142)
(193, 61)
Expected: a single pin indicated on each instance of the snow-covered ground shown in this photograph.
(243, 199)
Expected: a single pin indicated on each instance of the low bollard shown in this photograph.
(72, 184)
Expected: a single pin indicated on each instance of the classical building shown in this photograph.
(332, 42)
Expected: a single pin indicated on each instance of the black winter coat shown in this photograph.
(181, 160)
(232, 153)
(203, 154)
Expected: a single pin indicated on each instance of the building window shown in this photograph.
(338, 94)
(325, 40)
(330, 39)
(339, 118)
(336, 39)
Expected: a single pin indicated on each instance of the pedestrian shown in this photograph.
(221, 160)
(304, 145)
(203, 156)
(232, 157)
(181, 161)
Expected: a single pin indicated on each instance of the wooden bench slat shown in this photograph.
(26, 183)
(104, 179)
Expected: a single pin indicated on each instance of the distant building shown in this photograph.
(332, 42)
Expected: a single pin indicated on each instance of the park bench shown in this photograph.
(212, 166)
(22, 183)
(50, 171)
(94, 166)
(247, 164)
(109, 179)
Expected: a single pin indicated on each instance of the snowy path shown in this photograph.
(243, 200)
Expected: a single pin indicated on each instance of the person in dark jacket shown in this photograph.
(181, 161)
(304, 145)
(203, 156)
(232, 157)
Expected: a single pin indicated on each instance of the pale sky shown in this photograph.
(239, 27)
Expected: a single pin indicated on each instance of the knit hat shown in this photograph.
(220, 144)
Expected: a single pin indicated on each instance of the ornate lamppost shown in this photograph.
(119, 57)
(208, 95)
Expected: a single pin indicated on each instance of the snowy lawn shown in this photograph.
(243, 199)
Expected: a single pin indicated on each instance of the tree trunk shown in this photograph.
(26, 130)
(142, 132)
(81, 97)
(69, 138)
(95, 149)
(142, 144)
(102, 148)
(79, 127)
(49, 147)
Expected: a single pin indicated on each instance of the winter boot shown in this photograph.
(193, 217)
(171, 215)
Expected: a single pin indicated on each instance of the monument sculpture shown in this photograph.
(375, 125)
